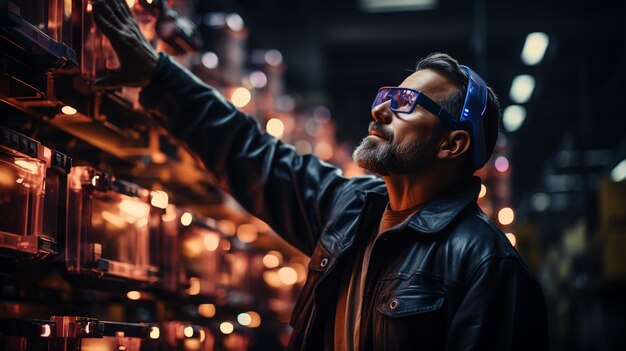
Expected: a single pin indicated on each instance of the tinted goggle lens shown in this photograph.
(401, 100)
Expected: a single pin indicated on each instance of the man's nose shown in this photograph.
(381, 113)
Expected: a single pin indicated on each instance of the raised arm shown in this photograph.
(292, 193)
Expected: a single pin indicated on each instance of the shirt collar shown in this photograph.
(439, 212)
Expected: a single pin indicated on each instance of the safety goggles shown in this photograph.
(404, 100)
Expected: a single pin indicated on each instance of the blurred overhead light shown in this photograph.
(272, 259)
(159, 199)
(513, 117)
(534, 48)
(502, 164)
(133, 295)
(396, 5)
(210, 60)
(186, 219)
(273, 57)
(275, 127)
(522, 88)
(511, 238)
(206, 310)
(234, 22)
(155, 333)
(483, 191)
(244, 319)
(287, 275)
(211, 241)
(506, 216)
(619, 172)
(255, 319)
(258, 79)
(68, 110)
(241, 97)
(188, 331)
(540, 201)
(247, 233)
(227, 327)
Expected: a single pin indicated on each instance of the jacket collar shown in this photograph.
(438, 213)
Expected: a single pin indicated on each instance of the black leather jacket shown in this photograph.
(446, 279)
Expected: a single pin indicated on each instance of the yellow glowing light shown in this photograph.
(244, 319)
(113, 219)
(275, 127)
(227, 327)
(27, 165)
(134, 208)
(131, 3)
(206, 310)
(188, 331)
(271, 278)
(46, 331)
(94, 180)
(194, 286)
(121, 348)
(133, 295)
(506, 216)
(191, 345)
(483, 191)
(247, 233)
(192, 247)
(272, 259)
(186, 219)
(160, 199)
(211, 241)
(155, 333)
(68, 110)
(241, 97)
(158, 158)
(89, 7)
(170, 214)
(288, 275)
(202, 335)
(255, 319)
(324, 151)
(535, 48)
(300, 270)
(227, 227)
(511, 238)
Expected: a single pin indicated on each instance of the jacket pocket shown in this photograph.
(410, 301)
(410, 319)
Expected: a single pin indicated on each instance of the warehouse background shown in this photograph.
(307, 72)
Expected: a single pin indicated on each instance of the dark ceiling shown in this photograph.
(338, 55)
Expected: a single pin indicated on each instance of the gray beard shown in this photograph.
(386, 158)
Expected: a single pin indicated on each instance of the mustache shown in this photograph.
(381, 129)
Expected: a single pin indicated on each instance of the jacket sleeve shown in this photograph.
(292, 193)
(503, 309)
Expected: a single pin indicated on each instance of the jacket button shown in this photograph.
(393, 304)
(324, 262)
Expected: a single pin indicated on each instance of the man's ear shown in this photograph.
(454, 144)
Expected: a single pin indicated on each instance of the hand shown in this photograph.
(137, 57)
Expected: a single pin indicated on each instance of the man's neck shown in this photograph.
(410, 190)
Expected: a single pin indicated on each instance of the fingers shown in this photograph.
(125, 8)
(121, 11)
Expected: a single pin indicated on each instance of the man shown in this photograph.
(407, 261)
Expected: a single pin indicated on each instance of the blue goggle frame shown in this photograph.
(404, 100)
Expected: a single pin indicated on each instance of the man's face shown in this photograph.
(403, 143)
